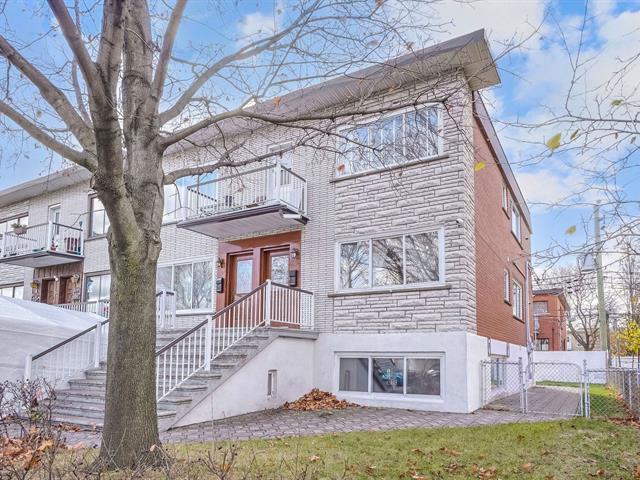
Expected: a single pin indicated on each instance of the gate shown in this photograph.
(544, 388)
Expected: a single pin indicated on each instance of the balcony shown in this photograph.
(42, 245)
(267, 198)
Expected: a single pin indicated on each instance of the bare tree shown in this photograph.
(116, 96)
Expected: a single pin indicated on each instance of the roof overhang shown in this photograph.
(49, 183)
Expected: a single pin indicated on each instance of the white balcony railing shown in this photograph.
(45, 237)
(273, 184)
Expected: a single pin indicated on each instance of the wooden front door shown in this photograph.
(241, 276)
(66, 290)
(48, 295)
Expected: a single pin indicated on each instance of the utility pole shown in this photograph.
(602, 313)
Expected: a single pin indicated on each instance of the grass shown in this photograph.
(549, 450)
(572, 449)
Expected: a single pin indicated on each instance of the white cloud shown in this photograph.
(259, 23)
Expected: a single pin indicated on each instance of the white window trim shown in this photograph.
(517, 305)
(506, 286)
(368, 119)
(505, 199)
(403, 286)
(370, 394)
(192, 260)
(516, 217)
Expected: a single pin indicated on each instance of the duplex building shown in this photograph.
(405, 250)
(550, 316)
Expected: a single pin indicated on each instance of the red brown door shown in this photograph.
(66, 290)
(241, 276)
(48, 292)
(276, 265)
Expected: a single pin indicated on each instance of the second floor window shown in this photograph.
(181, 198)
(10, 224)
(506, 282)
(99, 222)
(515, 222)
(517, 300)
(395, 138)
(391, 261)
(540, 308)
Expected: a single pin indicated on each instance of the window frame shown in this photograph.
(90, 234)
(85, 297)
(517, 300)
(517, 218)
(384, 395)
(181, 195)
(370, 119)
(403, 286)
(192, 261)
(13, 287)
(506, 286)
(505, 199)
(8, 221)
(540, 302)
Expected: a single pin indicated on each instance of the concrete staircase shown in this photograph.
(82, 403)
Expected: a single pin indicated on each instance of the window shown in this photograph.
(97, 287)
(515, 222)
(98, 220)
(272, 383)
(393, 375)
(180, 197)
(12, 291)
(517, 300)
(542, 344)
(390, 140)
(540, 308)
(192, 283)
(7, 225)
(391, 261)
(505, 198)
(498, 372)
(506, 283)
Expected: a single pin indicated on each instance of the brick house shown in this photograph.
(550, 314)
(399, 276)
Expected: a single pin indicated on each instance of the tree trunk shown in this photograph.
(130, 434)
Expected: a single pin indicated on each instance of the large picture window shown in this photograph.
(396, 138)
(12, 291)
(192, 283)
(97, 287)
(398, 260)
(393, 374)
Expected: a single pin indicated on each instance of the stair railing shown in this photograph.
(270, 304)
(194, 350)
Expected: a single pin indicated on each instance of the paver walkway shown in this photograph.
(559, 401)
(287, 423)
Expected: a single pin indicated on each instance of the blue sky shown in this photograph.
(534, 76)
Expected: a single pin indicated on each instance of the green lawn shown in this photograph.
(574, 449)
(560, 450)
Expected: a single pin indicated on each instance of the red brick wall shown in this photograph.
(552, 326)
(496, 250)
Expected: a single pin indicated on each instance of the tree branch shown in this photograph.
(165, 53)
(74, 40)
(83, 159)
(248, 51)
(52, 94)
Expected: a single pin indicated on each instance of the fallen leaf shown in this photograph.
(314, 458)
(554, 142)
(316, 399)
(450, 452)
(528, 467)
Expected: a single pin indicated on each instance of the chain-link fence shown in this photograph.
(560, 389)
(612, 392)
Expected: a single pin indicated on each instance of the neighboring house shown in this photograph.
(550, 316)
(418, 266)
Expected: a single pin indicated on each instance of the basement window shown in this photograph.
(388, 375)
(272, 383)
